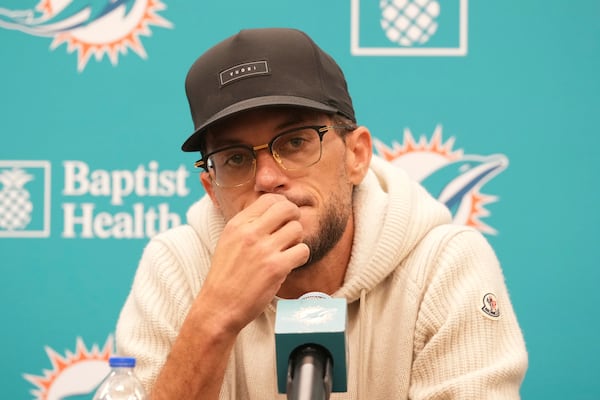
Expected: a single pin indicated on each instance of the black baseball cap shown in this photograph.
(260, 68)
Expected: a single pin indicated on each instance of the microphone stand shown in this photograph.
(309, 373)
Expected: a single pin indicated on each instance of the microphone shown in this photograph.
(310, 346)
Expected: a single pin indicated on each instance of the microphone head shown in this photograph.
(314, 295)
(315, 318)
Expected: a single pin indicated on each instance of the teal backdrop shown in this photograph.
(494, 104)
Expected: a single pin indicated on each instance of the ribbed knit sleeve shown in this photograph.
(468, 344)
(163, 290)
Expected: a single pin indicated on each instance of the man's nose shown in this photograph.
(269, 173)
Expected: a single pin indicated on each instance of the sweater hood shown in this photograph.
(392, 214)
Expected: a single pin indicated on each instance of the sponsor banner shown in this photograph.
(490, 105)
(96, 203)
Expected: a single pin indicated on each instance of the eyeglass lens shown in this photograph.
(293, 150)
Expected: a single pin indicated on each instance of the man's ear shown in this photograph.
(207, 184)
(359, 149)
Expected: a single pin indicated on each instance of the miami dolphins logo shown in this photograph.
(74, 375)
(90, 27)
(453, 178)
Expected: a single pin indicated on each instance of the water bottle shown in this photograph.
(121, 383)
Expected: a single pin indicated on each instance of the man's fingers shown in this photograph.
(269, 213)
(298, 255)
(262, 204)
(290, 234)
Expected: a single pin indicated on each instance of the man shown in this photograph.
(296, 202)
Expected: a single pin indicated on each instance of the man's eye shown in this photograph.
(236, 159)
(296, 142)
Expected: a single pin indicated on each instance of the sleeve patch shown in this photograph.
(491, 308)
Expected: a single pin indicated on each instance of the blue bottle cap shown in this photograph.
(118, 361)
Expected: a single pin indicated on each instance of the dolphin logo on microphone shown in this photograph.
(314, 315)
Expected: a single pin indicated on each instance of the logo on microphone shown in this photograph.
(314, 315)
(409, 28)
(90, 27)
(455, 179)
(24, 198)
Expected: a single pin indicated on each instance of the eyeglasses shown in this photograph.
(293, 149)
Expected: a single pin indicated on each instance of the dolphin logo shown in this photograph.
(90, 27)
(75, 14)
(73, 375)
(453, 181)
(314, 315)
(450, 176)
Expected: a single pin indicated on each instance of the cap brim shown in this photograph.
(194, 141)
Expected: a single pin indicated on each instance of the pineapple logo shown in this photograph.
(23, 186)
(407, 22)
(455, 179)
(15, 203)
(409, 27)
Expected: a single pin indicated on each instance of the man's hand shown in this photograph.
(259, 247)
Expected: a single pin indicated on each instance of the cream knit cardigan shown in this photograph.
(415, 287)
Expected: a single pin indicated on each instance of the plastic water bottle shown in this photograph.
(121, 383)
